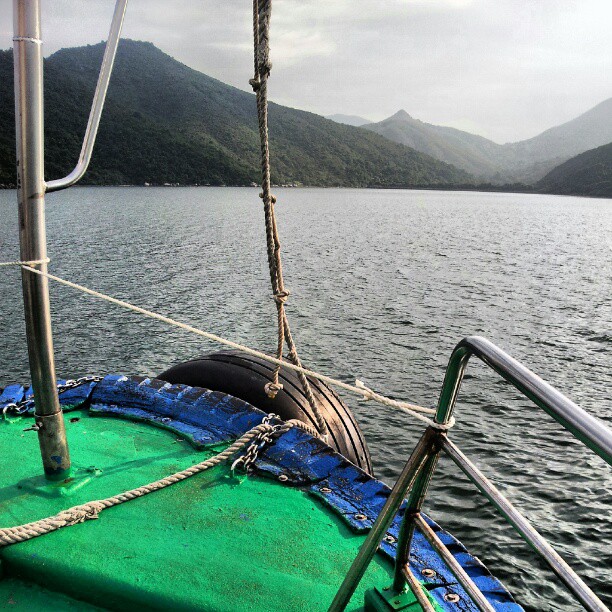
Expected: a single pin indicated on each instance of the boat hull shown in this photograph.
(281, 538)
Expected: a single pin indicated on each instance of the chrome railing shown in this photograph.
(586, 428)
(418, 471)
(95, 114)
(31, 189)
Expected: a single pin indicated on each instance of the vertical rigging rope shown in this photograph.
(262, 10)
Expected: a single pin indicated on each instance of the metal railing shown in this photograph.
(29, 140)
(31, 190)
(418, 471)
(95, 114)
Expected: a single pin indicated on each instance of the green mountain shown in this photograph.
(472, 153)
(587, 174)
(588, 131)
(526, 161)
(164, 122)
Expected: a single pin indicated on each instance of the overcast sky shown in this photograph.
(505, 69)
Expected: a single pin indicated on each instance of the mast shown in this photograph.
(27, 49)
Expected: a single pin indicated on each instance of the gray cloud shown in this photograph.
(506, 69)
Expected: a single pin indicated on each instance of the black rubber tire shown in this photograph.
(244, 377)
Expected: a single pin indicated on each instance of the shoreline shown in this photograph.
(482, 188)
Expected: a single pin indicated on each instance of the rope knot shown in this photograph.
(264, 68)
(444, 426)
(272, 389)
(26, 264)
(368, 394)
(271, 196)
(280, 297)
(255, 84)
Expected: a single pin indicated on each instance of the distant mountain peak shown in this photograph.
(401, 114)
(167, 123)
(526, 161)
(124, 43)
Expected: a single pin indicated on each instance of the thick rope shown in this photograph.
(92, 509)
(262, 10)
(358, 389)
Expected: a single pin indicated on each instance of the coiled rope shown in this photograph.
(262, 10)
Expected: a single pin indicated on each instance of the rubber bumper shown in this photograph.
(245, 376)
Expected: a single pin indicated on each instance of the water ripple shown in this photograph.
(384, 283)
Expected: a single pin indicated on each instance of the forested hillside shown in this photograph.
(589, 174)
(164, 122)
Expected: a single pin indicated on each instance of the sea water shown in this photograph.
(383, 284)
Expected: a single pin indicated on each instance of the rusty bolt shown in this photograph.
(428, 572)
(452, 597)
(360, 517)
(325, 490)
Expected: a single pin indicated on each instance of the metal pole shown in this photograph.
(466, 582)
(392, 505)
(573, 582)
(32, 235)
(588, 429)
(413, 509)
(110, 51)
(418, 591)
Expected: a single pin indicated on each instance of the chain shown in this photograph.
(245, 462)
(25, 404)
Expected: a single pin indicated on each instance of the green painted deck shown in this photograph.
(208, 543)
